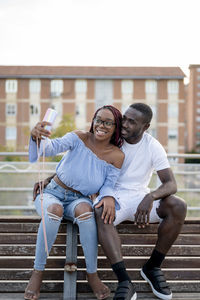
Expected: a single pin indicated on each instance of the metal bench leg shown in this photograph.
(70, 269)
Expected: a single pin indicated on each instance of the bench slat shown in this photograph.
(20, 275)
(134, 262)
(124, 228)
(192, 239)
(36, 219)
(127, 250)
(82, 287)
(90, 296)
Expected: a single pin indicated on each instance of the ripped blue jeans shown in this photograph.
(55, 194)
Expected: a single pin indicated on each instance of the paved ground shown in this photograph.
(58, 296)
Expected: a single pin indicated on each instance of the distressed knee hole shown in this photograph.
(53, 217)
(55, 212)
(85, 216)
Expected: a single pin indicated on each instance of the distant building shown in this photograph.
(193, 109)
(27, 91)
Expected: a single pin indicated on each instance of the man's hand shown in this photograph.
(39, 130)
(36, 188)
(143, 211)
(108, 209)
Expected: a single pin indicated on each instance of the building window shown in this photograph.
(57, 105)
(172, 133)
(81, 86)
(154, 110)
(151, 87)
(127, 87)
(10, 109)
(198, 69)
(103, 93)
(173, 110)
(198, 119)
(172, 87)
(11, 86)
(11, 133)
(152, 131)
(34, 86)
(124, 107)
(34, 110)
(56, 88)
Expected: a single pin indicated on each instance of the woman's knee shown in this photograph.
(83, 211)
(55, 210)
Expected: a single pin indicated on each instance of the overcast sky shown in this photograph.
(100, 32)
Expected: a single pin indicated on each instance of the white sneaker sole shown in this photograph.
(134, 297)
(156, 293)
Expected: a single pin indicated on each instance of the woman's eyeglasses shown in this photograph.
(106, 124)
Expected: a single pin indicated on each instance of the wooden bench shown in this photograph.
(17, 248)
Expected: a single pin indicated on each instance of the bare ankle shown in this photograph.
(33, 288)
(100, 290)
(39, 272)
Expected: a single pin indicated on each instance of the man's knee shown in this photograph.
(55, 211)
(98, 212)
(174, 206)
(83, 211)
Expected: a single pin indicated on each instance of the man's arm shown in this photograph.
(168, 187)
(168, 184)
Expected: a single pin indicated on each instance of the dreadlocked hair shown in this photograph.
(116, 138)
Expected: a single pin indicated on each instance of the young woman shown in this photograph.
(91, 164)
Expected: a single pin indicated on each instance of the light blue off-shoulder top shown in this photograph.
(79, 168)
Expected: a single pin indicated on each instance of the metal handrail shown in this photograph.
(14, 153)
(169, 155)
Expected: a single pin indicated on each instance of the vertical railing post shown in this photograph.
(70, 269)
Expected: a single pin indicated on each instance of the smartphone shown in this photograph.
(50, 117)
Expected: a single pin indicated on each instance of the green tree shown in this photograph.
(192, 160)
(67, 124)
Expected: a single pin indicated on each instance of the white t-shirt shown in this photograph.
(140, 161)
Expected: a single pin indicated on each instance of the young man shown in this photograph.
(143, 155)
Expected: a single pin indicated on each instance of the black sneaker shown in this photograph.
(125, 291)
(157, 281)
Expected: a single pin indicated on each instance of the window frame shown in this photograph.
(11, 109)
(11, 86)
(173, 87)
(9, 136)
(127, 87)
(34, 86)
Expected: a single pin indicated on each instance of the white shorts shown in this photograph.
(129, 201)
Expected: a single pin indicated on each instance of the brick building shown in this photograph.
(27, 91)
(193, 109)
